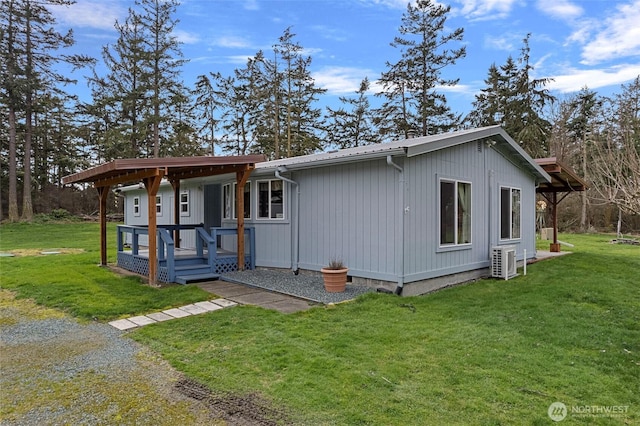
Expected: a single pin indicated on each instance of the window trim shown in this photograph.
(187, 203)
(455, 245)
(136, 206)
(158, 204)
(511, 191)
(269, 218)
(229, 192)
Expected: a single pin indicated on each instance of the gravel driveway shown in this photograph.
(57, 371)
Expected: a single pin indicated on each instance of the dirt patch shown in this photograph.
(245, 410)
(56, 370)
(44, 252)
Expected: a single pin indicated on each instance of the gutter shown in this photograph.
(295, 237)
(403, 210)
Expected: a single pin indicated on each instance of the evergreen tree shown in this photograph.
(32, 49)
(207, 104)
(412, 101)
(347, 128)
(514, 100)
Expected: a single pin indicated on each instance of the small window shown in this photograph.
(455, 212)
(184, 203)
(136, 206)
(159, 205)
(229, 201)
(271, 199)
(510, 213)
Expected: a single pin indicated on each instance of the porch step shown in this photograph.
(184, 279)
(193, 269)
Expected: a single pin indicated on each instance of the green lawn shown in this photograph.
(72, 281)
(491, 352)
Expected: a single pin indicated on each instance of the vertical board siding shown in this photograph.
(350, 212)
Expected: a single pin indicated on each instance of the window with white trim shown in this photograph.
(271, 199)
(185, 203)
(229, 201)
(159, 205)
(455, 212)
(136, 206)
(510, 213)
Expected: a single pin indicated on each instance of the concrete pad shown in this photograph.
(259, 298)
(227, 290)
(208, 306)
(160, 316)
(176, 313)
(141, 320)
(224, 303)
(287, 306)
(193, 309)
(123, 324)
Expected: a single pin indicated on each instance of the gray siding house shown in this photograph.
(412, 215)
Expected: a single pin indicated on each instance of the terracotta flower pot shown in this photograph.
(335, 280)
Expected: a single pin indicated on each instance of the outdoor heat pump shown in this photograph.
(503, 262)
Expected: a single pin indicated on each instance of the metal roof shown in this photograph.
(416, 146)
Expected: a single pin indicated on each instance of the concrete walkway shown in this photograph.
(247, 295)
(231, 295)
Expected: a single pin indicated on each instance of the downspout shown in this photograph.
(296, 230)
(402, 213)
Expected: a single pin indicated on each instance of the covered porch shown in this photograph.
(157, 258)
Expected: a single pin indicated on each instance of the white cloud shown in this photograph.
(480, 10)
(620, 36)
(560, 9)
(343, 80)
(186, 37)
(232, 42)
(501, 42)
(573, 79)
(251, 5)
(90, 14)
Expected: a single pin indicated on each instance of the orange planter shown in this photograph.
(335, 280)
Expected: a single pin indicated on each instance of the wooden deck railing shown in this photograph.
(135, 261)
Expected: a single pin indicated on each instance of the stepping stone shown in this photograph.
(160, 316)
(208, 306)
(177, 313)
(224, 302)
(141, 320)
(123, 324)
(193, 309)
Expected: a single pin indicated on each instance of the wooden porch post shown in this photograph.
(555, 247)
(175, 184)
(152, 184)
(103, 194)
(241, 180)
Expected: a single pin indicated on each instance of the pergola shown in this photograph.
(151, 171)
(563, 180)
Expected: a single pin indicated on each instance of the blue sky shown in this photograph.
(594, 43)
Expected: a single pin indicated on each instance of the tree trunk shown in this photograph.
(583, 194)
(13, 215)
(27, 205)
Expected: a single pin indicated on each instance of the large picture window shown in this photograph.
(271, 199)
(455, 212)
(229, 201)
(510, 213)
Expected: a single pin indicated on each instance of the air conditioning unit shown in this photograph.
(503, 262)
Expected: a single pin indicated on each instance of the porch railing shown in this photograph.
(135, 261)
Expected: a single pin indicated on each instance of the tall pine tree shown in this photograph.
(413, 103)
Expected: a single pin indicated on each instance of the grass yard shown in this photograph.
(492, 352)
(71, 280)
